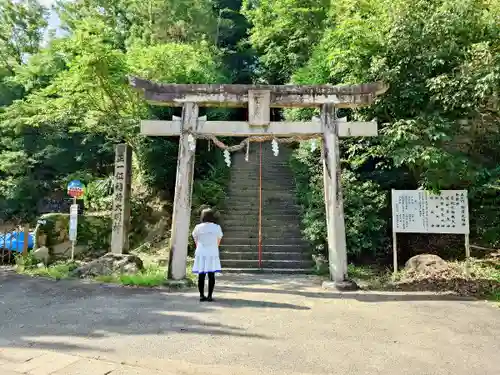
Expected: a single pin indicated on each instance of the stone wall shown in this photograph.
(93, 236)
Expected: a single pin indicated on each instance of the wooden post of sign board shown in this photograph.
(26, 236)
(337, 253)
(181, 216)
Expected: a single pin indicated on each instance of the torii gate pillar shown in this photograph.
(179, 236)
(334, 205)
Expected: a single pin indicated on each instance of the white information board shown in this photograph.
(73, 222)
(419, 211)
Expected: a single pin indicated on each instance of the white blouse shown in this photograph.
(206, 236)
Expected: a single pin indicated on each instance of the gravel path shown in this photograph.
(259, 324)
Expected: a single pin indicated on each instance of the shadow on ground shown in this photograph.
(37, 307)
(271, 284)
(40, 308)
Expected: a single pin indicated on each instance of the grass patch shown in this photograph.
(151, 276)
(370, 277)
(111, 279)
(190, 276)
(57, 271)
(494, 297)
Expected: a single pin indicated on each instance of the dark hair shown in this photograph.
(208, 216)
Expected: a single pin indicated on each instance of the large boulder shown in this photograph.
(110, 264)
(426, 263)
(42, 254)
(93, 235)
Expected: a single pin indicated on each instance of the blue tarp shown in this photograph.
(14, 241)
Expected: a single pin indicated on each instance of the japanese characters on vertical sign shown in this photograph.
(417, 211)
(73, 222)
(120, 214)
(259, 104)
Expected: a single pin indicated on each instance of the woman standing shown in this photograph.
(207, 236)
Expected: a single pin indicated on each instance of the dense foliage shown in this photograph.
(439, 121)
(65, 101)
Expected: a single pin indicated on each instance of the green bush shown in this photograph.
(99, 194)
(364, 205)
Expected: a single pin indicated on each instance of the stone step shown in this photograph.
(255, 175)
(266, 210)
(252, 221)
(287, 198)
(249, 184)
(231, 242)
(266, 233)
(254, 190)
(283, 248)
(266, 247)
(243, 255)
(250, 225)
(284, 271)
(267, 180)
(267, 217)
(266, 161)
(255, 168)
(275, 219)
(252, 205)
(268, 214)
(266, 194)
(271, 264)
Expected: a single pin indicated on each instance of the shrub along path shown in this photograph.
(259, 324)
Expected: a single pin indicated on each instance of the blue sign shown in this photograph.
(76, 189)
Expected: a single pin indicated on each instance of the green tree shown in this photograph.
(439, 119)
(283, 33)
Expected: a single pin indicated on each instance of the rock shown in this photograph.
(63, 250)
(320, 263)
(94, 233)
(163, 262)
(42, 254)
(426, 263)
(342, 286)
(110, 264)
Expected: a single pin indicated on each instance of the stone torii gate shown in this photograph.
(259, 99)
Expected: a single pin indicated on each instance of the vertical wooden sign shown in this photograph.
(121, 199)
(259, 107)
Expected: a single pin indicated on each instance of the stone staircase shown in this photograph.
(283, 248)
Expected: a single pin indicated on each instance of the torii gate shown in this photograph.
(259, 99)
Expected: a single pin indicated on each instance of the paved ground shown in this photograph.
(273, 325)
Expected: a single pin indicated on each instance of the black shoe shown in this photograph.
(203, 299)
(210, 299)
